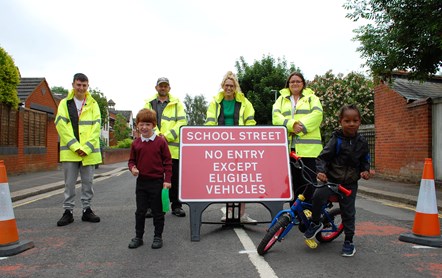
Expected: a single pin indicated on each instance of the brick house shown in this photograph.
(126, 114)
(408, 119)
(29, 138)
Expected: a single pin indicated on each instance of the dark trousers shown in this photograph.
(347, 205)
(148, 192)
(301, 185)
(174, 190)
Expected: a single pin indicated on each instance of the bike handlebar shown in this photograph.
(347, 192)
(294, 155)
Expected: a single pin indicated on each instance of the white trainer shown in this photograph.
(246, 219)
(223, 218)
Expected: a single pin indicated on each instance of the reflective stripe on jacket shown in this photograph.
(172, 119)
(89, 130)
(308, 112)
(245, 115)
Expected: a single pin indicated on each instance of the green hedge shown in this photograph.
(124, 144)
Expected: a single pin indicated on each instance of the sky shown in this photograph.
(125, 46)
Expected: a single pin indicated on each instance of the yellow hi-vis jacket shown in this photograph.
(245, 115)
(89, 130)
(172, 119)
(308, 111)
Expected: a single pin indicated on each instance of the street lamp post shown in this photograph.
(275, 92)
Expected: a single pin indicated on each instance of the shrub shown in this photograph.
(124, 144)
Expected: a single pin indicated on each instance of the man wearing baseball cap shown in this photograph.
(170, 117)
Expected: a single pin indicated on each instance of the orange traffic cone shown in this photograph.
(9, 242)
(426, 228)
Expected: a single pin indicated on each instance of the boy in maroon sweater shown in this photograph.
(150, 161)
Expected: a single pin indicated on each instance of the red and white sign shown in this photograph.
(238, 163)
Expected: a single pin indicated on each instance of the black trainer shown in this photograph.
(313, 229)
(135, 243)
(348, 249)
(89, 216)
(179, 212)
(157, 243)
(66, 219)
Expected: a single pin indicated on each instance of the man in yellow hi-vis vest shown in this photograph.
(78, 123)
(170, 117)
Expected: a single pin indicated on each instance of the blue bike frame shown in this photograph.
(298, 209)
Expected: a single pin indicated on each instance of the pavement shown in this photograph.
(35, 183)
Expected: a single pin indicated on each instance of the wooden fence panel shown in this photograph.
(8, 126)
(35, 125)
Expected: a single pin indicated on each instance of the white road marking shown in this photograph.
(423, 247)
(264, 269)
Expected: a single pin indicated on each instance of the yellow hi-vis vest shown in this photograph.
(172, 119)
(246, 113)
(89, 130)
(308, 111)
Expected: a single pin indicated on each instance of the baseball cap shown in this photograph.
(163, 80)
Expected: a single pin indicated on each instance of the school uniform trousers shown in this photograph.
(148, 194)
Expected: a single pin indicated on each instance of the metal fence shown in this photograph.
(368, 131)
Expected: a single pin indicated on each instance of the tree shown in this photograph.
(261, 83)
(196, 109)
(9, 80)
(406, 35)
(336, 91)
(121, 130)
(102, 103)
(60, 91)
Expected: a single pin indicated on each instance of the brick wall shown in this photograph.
(53, 155)
(115, 155)
(21, 159)
(403, 135)
(44, 159)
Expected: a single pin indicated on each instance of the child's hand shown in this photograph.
(167, 185)
(365, 175)
(322, 177)
(134, 171)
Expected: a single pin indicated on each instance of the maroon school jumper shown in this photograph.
(152, 159)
